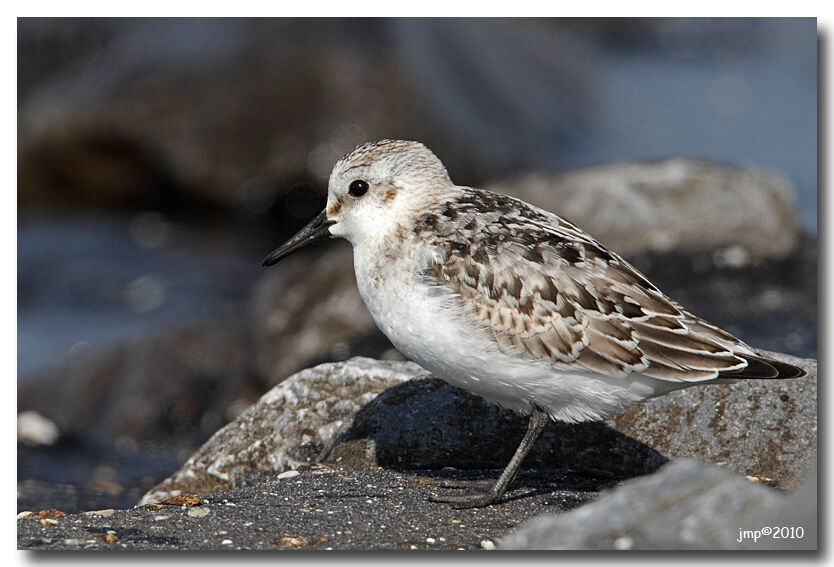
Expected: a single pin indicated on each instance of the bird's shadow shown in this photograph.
(427, 424)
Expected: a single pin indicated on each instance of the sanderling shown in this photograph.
(512, 302)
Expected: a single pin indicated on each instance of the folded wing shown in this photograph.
(542, 289)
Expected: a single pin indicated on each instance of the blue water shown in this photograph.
(87, 281)
(746, 111)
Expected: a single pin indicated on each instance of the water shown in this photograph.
(89, 280)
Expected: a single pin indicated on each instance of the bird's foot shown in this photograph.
(482, 493)
(467, 500)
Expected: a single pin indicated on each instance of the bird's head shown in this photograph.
(373, 189)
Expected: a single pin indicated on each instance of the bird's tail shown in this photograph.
(761, 367)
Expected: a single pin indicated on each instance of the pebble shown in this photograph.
(291, 541)
(487, 544)
(198, 512)
(288, 474)
(182, 500)
(35, 429)
(624, 543)
(105, 513)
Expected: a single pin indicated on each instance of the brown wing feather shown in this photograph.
(547, 291)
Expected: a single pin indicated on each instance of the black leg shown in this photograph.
(538, 420)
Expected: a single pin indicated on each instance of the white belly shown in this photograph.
(424, 324)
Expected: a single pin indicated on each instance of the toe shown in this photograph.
(477, 485)
(466, 500)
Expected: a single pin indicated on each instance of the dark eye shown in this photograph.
(358, 188)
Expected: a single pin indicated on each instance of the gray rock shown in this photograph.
(762, 429)
(305, 309)
(675, 204)
(288, 426)
(686, 505)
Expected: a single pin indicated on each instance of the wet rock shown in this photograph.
(676, 204)
(686, 505)
(288, 427)
(304, 310)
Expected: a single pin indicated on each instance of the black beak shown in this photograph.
(316, 229)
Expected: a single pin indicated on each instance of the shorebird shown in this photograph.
(511, 302)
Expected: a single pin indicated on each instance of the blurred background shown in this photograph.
(159, 160)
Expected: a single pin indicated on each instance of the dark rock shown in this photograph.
(686, 505)
(223, 111)
(675, 204)
(242, 112)
(428, 424)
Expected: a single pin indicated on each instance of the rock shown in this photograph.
(762, 428)
(674, 204)
(178, 381)
(304, 310)
(35, 429)
(286, 428)
(686, 505)
(407, 420)
(428, 424)
(230, 111)
(502, 127)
